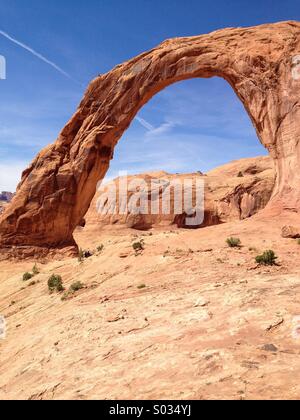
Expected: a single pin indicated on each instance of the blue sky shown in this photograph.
(193, 125)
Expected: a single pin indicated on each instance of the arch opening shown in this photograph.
(197, 124)
(183, 133)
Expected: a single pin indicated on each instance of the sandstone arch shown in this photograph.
(57, 188)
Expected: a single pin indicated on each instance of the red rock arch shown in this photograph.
(57, 188)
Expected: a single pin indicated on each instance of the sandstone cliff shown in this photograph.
(234, 191)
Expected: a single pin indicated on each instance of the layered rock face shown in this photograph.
(234, 191)
(260, 64)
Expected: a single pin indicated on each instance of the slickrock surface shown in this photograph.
(234, 191)
(259, 63)
(188, 318)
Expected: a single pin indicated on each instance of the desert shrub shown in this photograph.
(100, 248)
(233, 242)
(267, 258)
(55, 283)
(138, 246)
(240, 174)
(87, 254)
(142, 286)
(80, 255)
(75, 287)
(35, 270)
(65, 296)
(83, 254)
(27, 276)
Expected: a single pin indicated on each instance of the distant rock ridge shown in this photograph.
(5, 198)
(234, 191)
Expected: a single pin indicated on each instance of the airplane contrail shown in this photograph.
(38, 55)
(145, 124)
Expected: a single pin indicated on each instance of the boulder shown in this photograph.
(290, 232)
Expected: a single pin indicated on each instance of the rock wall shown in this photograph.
(234, 191)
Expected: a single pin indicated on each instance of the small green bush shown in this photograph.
(100, 248)
(240, 175)
(75, 287)
(65, 296)
(27, 276)
(87, 254)
(80, 255)
(142, 286)
(267, 258)
(55, 283)
(233, 242)
(138, 246)
(35, 270)
(83, 254)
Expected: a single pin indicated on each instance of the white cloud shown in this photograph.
(162, 129)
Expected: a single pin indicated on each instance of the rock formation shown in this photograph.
(228, 196)
(290, 232)
(259, 63)
(5, 198)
